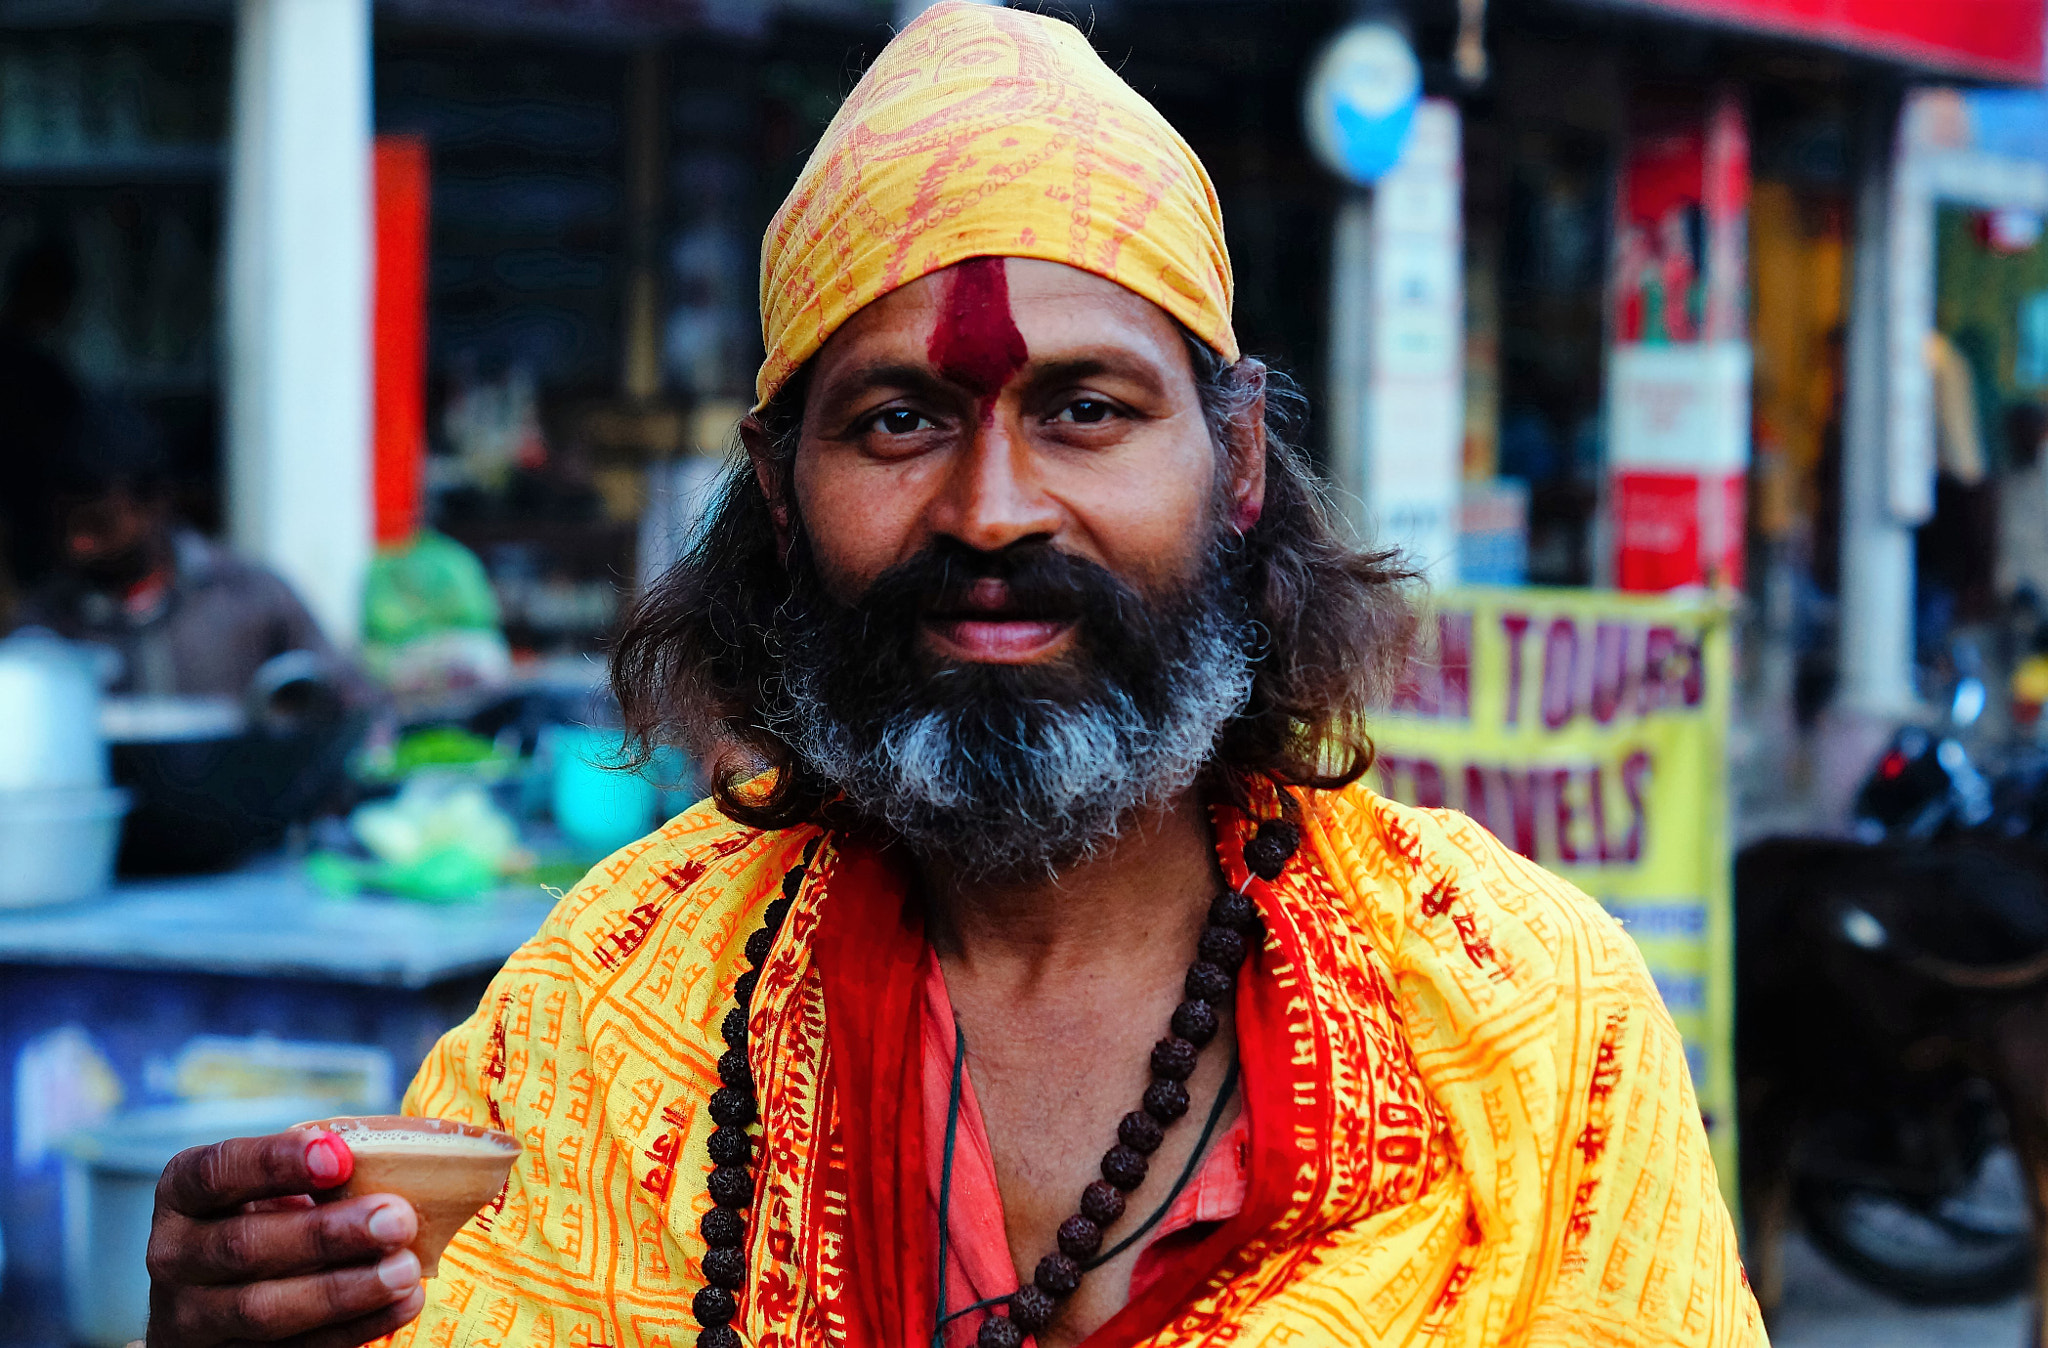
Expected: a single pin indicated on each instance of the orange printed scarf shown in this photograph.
(1471, 1122)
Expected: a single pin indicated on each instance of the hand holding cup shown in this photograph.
(240, 1250)
(445, 1170)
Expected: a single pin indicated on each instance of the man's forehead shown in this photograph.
(1062, 313)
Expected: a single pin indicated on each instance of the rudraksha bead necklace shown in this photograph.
(1234, 929)
(731, 1147)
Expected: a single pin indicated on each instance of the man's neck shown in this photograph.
(142, 599)
(1148, 885)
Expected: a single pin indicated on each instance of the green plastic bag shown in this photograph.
(432, 584)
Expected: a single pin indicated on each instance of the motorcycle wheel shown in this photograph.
(1972, 1246)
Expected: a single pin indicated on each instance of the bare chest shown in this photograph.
(1054, 1090)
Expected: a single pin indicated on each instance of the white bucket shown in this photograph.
(58, 845)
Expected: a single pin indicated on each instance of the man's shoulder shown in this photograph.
(680, 901)
(1436, 886)
(1370, 835)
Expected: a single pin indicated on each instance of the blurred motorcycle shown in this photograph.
(1891, 993)
(1926, 785)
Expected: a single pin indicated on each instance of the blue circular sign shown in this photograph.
(1361, 100)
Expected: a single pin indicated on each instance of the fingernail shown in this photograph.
(399, 1271)
(387, 1225)
(328, 1160)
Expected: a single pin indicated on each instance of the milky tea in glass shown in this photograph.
(446, 1170)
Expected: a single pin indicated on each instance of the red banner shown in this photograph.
(400, 323)
(1992, 39)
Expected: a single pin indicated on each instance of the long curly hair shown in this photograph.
(693, 663)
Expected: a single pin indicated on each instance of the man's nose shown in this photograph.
(993, 495)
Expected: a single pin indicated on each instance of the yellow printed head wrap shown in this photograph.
(987, 132)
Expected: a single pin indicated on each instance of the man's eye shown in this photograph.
(902, 421)
(1086, 411)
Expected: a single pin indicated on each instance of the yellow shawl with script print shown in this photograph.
(1478, 1126)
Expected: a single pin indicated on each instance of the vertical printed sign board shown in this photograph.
(1415, 438)
(1678, 374)
(1588, 731)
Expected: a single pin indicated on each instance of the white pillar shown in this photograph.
(1397, 340)
(1416, 417)
(1876, 636)
(298, 300)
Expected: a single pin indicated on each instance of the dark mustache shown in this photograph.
(1043, 583)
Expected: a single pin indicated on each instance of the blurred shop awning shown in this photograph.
(1993, 40)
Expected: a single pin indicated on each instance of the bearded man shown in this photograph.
(1035, 676)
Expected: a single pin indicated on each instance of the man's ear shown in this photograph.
(771, 477)
(1247, 447)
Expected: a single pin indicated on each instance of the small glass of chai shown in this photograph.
(446, 1170)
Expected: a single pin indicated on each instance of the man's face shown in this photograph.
(112, 538)
(1002, 401)
(1014, 620)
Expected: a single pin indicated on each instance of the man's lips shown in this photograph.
(988, 625)
(997, 640)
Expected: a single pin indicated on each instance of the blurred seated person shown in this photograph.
(185, 615)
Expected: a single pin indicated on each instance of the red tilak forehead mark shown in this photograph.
(976, 343)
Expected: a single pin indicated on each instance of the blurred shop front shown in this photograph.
(1660, 220)
(1632, 328)
(1649, 306)
(1973, 179)
(1641, 305)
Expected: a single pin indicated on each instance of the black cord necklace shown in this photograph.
(1233, 931)
(1187, 1173)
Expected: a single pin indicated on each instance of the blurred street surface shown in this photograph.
(1825, 1308)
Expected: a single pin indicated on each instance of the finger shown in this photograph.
(285, 1203)
(281, 1308)
(255, 1246)
(211, 1181)
(375, 1325)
